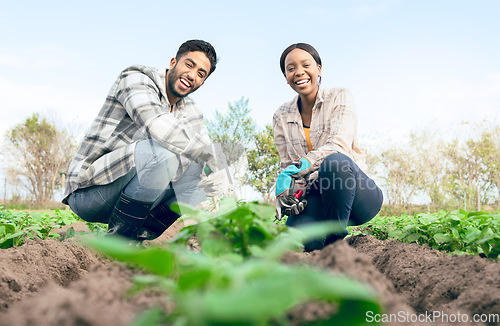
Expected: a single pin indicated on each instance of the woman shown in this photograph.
(315, 134)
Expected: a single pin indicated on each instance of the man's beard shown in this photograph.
(173, 77)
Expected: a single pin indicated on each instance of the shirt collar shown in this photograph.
(293, 112)
(163, 89)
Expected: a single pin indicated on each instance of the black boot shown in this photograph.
(159, 219)
(128, 216)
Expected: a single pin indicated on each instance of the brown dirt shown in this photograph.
(62, 283)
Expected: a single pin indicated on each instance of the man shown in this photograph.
(148, 148)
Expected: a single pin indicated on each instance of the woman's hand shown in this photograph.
(296, 170)
(293, 201)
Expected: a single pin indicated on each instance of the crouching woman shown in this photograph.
(316, 137)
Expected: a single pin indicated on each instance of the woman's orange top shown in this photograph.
(308, 138)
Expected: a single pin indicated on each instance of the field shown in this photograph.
(53, 282)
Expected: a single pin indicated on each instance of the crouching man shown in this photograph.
(148, 148)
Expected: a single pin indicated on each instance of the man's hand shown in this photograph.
(216, 184)
(216, 179)
(214, 158)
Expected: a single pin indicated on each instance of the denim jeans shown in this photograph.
(149, 181)
(342, 193)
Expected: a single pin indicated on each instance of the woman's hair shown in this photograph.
(303, 46)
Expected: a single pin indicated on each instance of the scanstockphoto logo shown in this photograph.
(346, 176)
(437, 317)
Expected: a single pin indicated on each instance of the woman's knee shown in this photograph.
(337, 172)
(337, 163)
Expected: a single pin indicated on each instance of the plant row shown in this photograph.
(17, 226)
(458, 232)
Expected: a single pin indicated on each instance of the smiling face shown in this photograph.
(186, 75)
(301, 72)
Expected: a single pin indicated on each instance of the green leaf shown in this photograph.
(8, 228)
(216, 247)
(442, 238)
(478, 213)
(454, 217)
(262, 211)
(238, 304)
(180, 208)
(472, 235)
(495, 248)
(70, 233)
(396, 234)
(156, 260)
(196, 278)
(153, 316)
(317, 230)
(413, 237)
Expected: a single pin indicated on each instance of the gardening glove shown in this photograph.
(213, 158)
(312, 177)
(216, 184)
(292, 201)
(298, 169)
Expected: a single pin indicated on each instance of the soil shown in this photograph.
(53, 282)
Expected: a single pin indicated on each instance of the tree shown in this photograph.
(397, 173)
(466, 171)
(428, 174)
(488, 150)
(411, 169)
(263, 163)
(234, 131)
(39, 153)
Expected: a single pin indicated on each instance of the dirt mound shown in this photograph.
(26, 270)
(339, 258)
(431, 280)
(62, 283)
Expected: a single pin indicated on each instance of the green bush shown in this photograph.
(458, 232)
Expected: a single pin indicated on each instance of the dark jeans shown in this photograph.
(149, 181)
(343, 193)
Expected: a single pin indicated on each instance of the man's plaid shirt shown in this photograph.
(135, 109)
(333, 129)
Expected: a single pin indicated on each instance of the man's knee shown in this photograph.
(150, 153)
(155, 164)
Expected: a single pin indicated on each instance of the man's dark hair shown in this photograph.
(198, 45)
(303, 46)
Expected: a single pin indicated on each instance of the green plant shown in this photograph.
(458, 232)
(235, 228)
(16, 226)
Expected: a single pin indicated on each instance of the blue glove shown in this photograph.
(297, 169)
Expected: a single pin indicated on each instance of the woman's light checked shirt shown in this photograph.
(333, 129)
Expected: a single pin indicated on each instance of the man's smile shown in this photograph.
(185, 84)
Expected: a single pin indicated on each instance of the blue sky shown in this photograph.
(409, 64)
